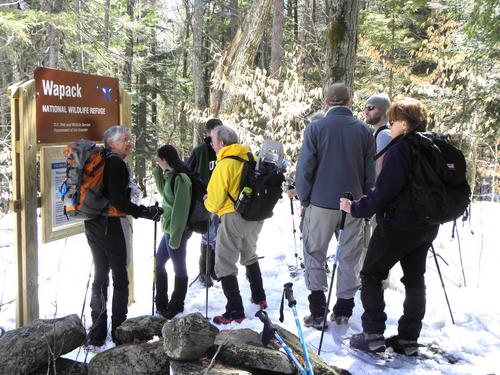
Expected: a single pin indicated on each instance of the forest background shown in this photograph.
(261, 65)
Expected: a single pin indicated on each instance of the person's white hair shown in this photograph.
(114, 133)
(225, 134)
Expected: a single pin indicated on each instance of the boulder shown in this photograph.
(188, 337)
(239, 336)
(320, 367)
(198, 368)
(243, 347)
(63, 366)
(141, 328)
(137, 359)
(25, 349)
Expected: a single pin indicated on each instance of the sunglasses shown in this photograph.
(369, 108)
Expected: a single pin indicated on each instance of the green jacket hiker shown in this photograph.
(176, 204)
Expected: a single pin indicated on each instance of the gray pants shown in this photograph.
(236, 239)
(318, 227)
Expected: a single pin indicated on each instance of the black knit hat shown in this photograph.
(213, 123)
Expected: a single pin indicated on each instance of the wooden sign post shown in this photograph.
(54, 121)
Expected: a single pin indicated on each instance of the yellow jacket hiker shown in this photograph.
(226, 179)
(236, 237)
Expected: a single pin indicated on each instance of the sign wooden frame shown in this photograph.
(48, 154)
(25, 200)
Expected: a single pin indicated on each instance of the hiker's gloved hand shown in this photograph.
(152, 212)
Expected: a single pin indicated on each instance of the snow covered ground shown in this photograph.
(475, 338)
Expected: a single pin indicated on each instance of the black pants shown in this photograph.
(384, 251)
(107, 242)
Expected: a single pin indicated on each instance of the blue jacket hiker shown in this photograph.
(176, 205)
(336, 157)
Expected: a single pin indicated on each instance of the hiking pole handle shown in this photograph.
(291, 206)
(264, 318)
(289, 294)
(349, 196)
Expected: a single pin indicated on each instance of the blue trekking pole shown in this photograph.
(271, 331)
(337, 254)
(292, 303)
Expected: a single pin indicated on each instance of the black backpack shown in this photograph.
(198, 219)
(264, 186)
(439, 191)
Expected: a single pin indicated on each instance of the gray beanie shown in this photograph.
(380, 101)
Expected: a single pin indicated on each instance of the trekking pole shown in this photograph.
(294, 231)
(271, 331)
(154, 266)
(442, 283)
(337, 254)
(87, 290)
(292, 303)
(455, 230)
(207, 268)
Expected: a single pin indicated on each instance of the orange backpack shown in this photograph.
(82, 190)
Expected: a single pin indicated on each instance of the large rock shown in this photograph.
(238, 336)
(140, 359)
(198, 368)
(26, 349)
(141, 328)
(319, 366)
(244, 348)
(188, 337)
(63, 366)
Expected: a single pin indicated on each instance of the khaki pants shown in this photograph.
(318, 227)
(236, 239)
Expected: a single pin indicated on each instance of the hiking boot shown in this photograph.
(315, 322)
(234, 305)
(95, 342)
(262, 304)
(401, 346)
(343, 307)
(162, 312)
(204, 281)
(254, 277)
(204, 251)
(176, 303)
(226, 319)
(339, 319)
(368, 342)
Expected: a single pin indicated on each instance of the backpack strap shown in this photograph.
(244, 174)
(383, 127)
(382, 152)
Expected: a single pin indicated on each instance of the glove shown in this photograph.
(152, 212)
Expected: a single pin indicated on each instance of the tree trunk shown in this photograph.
(234, 17)
(52, 43)
(391, 58)
(129, 49)
(183, 123)
(43, 340)
(197, 65)
(106, 22)
(342, 41)
(141, 130)
(277, 38)
(306, 32)
(80, 37)
(239, 54)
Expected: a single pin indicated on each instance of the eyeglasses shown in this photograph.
(128, 139)
(369, 108)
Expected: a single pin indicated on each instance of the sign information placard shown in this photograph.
(55, 224)
(71, 106)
